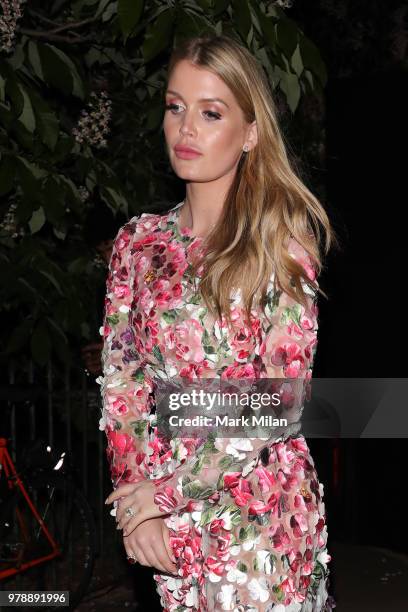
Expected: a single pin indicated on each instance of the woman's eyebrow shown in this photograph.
(201, 99)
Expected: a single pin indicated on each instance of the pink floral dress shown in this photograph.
(246, 516)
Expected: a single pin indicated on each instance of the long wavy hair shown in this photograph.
(267, 202)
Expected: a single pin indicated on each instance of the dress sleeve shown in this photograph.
(125, 387)
(286, 349)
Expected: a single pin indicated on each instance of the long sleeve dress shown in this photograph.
(246, 516)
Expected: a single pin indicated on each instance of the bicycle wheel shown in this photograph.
(68, 517)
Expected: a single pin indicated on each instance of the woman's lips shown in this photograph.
(186, 153)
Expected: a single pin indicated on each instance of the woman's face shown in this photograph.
(217, 129)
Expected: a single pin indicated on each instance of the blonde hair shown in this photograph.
(267, 203)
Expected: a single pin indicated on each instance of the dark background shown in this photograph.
(363, 330)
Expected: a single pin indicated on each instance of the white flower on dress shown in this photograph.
(235, 575)
(214, 577)
(238, 444)
(323, 557)
(293, 607)
(123, 308)
(192, 598)
(175, 586)
(265, 561)
(225, 597)
(249, 467)
(258, 589)
(226, 517)
(250, 543)
(196, 516)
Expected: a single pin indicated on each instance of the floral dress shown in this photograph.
(246, 516)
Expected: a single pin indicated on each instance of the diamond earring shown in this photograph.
(246, 149)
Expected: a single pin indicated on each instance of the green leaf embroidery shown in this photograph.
(207, 516)
(113, 319)
(157, 353)
(194, 490)
(247, 533)
(198, 465)
(170, 315)
(139, 427)
(225, 463)
(138, 375)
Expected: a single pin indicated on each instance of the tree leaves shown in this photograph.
(129, 13)
(158, 34)
(120, 47)
(60, 71)
(37, 220)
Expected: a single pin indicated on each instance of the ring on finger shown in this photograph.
(130, 512)
(132, 558)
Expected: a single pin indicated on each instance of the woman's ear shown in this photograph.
(252, 135)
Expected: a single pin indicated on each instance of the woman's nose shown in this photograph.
(188, 124)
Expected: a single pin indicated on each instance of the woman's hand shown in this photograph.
(139, 499)
(150, 544)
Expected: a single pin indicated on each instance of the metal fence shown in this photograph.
(65, 418)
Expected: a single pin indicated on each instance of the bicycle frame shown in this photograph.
(13, 480)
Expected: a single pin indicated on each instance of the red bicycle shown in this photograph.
(47, 530)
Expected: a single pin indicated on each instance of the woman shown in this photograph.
(222, 286)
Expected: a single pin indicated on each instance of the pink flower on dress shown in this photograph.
(231, 480)
(307, 322)
(239, 371)
(258, 507)
(189, 335)
(294, 559)
(299, 524)
(280, 538)
(165, 499)
(223, 542)
(123, 443)
(119, 406)
(295, 331)
(122, 240)
(146, 300)
(286, 353)
(242, 493)
(215, 569)
(163, 298)
(177, 290)
(152, 330)
(215, 526)
(121, 291)
(266, 479)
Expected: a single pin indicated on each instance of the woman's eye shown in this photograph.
(211, 114)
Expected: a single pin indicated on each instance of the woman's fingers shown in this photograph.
(150, 540)
(121, 517)
(131, 524)
(157, 558)
(151, 556)
(132, 550)
(162, 556)
(122, 490)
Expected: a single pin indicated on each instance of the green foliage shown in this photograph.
(62, 53)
